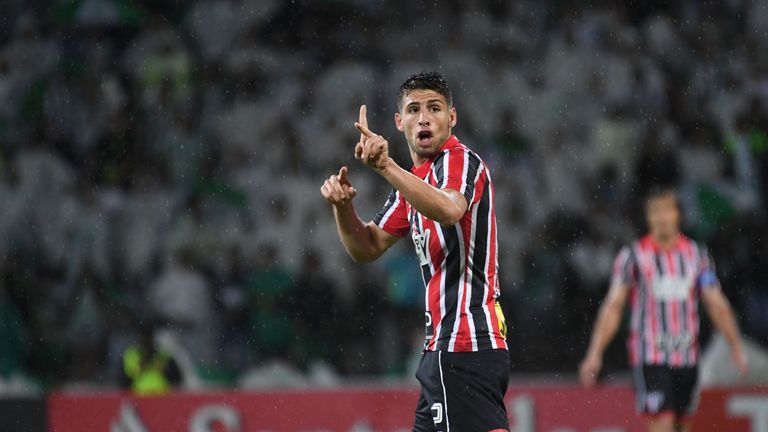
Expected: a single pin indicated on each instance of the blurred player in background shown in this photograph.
(664, 274)
(445, 203)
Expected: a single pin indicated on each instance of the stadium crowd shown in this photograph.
(160, 162)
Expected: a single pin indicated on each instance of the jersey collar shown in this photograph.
(422, 170)
(657, 248)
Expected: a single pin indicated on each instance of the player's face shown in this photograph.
(663, 216)
(426, 120)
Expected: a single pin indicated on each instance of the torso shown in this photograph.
(458, 263)
(664, 301)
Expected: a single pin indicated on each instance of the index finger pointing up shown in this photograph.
(343, 175)
(363, 116)
(364, 131)
(363, 120)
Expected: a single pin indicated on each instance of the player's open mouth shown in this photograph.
(424, 138)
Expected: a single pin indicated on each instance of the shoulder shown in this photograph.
(457, 154)
(394, 196)
(630, 251)
(644, 245)
(636, 244)
(626, 252)
(698, 248)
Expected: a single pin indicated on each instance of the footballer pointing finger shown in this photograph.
(445, 204)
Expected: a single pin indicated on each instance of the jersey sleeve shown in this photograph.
(459, 169)
(393, 216)
(624, 268)
(707, 277)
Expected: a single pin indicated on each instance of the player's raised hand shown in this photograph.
(372, 149)
(337, 189)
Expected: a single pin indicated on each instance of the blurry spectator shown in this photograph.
(147, 369)
(270, 289)
(146, 212)
(614, 144)
(12, 337)
(749, 147)
(86, 326)
(232, 300)
(181, 297)
(316, 304)
(658, 162)
(564, 172)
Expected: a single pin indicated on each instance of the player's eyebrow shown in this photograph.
(429, 101)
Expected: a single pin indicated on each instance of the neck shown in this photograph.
(665, 241)
(418, 160)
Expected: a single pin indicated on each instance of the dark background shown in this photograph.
(160, 162)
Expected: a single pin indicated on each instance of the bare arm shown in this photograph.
(445, 206)
(364, 242)
(720, 312)
(606, 326)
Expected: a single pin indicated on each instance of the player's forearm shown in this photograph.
(428, 200)
(605, 329)
(355, 234)
(724, 320)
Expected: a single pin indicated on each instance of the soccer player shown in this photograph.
(664, 274)
(445, 203)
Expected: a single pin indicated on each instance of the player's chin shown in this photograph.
(427, 153)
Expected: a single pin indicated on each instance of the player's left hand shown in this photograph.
(338, 189)
(740, 362)
(372, 149)
(589, 369)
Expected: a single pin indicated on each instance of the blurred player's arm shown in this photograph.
(606, 326)
(720, 312)
(445, 206)
(364, 242)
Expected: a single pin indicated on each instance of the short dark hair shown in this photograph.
(660, 191)
(426, 81)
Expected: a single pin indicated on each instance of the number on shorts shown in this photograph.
(437, 413)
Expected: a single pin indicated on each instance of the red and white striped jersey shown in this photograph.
(459, 263)
(665, 285)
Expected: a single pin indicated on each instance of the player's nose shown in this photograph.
(423, 120)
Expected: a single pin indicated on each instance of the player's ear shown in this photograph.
(398, 122)
(454, 117)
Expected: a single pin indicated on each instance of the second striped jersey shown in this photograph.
(665, 285)
(459, 262)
